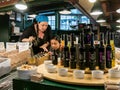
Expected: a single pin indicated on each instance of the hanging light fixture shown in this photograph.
(118, 20)
(118, 10)
(118, 26)
(65, 11)
(92, 1)
(101, 19)
(21, 5)
(97, 9)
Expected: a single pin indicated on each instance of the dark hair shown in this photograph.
(34, 21)
(56, 37)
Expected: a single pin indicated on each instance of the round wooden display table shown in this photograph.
(69, 79)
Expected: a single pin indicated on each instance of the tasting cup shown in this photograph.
(62, 71)
(51, 68)
(98, 74)
(78, 74)
(114, 73)
(47, 62)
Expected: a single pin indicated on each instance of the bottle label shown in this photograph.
(87, 39)
(108, 55)
(53, 57)
(93, 56)
(82, 56)
(102, 57)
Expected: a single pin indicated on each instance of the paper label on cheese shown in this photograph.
(10, 46)
(2, 46)
(23, 46)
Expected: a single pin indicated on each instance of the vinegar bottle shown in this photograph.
(92, 62)
(54, 58)
(101, 53)
(72, 53)
(82, 53)
(108, 53)
(66, 53)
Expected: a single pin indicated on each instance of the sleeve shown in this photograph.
(26, 34)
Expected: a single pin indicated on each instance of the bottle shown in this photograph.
(82, 53)
(72, 53)
(92, 62)
(108, 53)
(54, 58)
(66, 53)
(101, 53)
(87, 40)
(113, 49)
(87, 34)
(62, 43)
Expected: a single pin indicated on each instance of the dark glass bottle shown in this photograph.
(92, 62)
(62, 42)
(66, 53)
(108, 53)
(54, 58)
(101, 53)
(87, 33)
(72, 53)
(82, 53)
(87, 41)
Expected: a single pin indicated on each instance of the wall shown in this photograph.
(4, 28)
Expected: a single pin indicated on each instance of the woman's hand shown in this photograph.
(44, 47)
(50, 53)
(31, 38)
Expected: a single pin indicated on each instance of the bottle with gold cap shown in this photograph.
(113, 49)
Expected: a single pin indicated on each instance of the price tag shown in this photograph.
(23, 46)
(11, 46)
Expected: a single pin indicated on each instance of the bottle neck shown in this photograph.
(101, 39)
(108, 40)
(92, 39)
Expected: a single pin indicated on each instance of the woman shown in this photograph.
(29, 33)
(42, 37)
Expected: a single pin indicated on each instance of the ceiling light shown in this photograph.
(96, 9)
(96, 13)
(118, 31)
(101, 19)
(21, 5)
(65, 11)
(118, 26)
(92, 1)
(118, 21)
(32, 16)
(118, 10)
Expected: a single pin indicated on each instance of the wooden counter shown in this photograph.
(69, 79)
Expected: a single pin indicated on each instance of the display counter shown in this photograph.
(55, 82)
(69, 79)
(19, 84)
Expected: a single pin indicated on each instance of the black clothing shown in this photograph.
(38, 41)
(30, 31)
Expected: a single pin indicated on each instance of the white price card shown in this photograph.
(2, 46)
(23, 46)
(11, 46)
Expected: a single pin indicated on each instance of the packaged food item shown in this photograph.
(25, 71)
(109, 85)
(37, 77)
